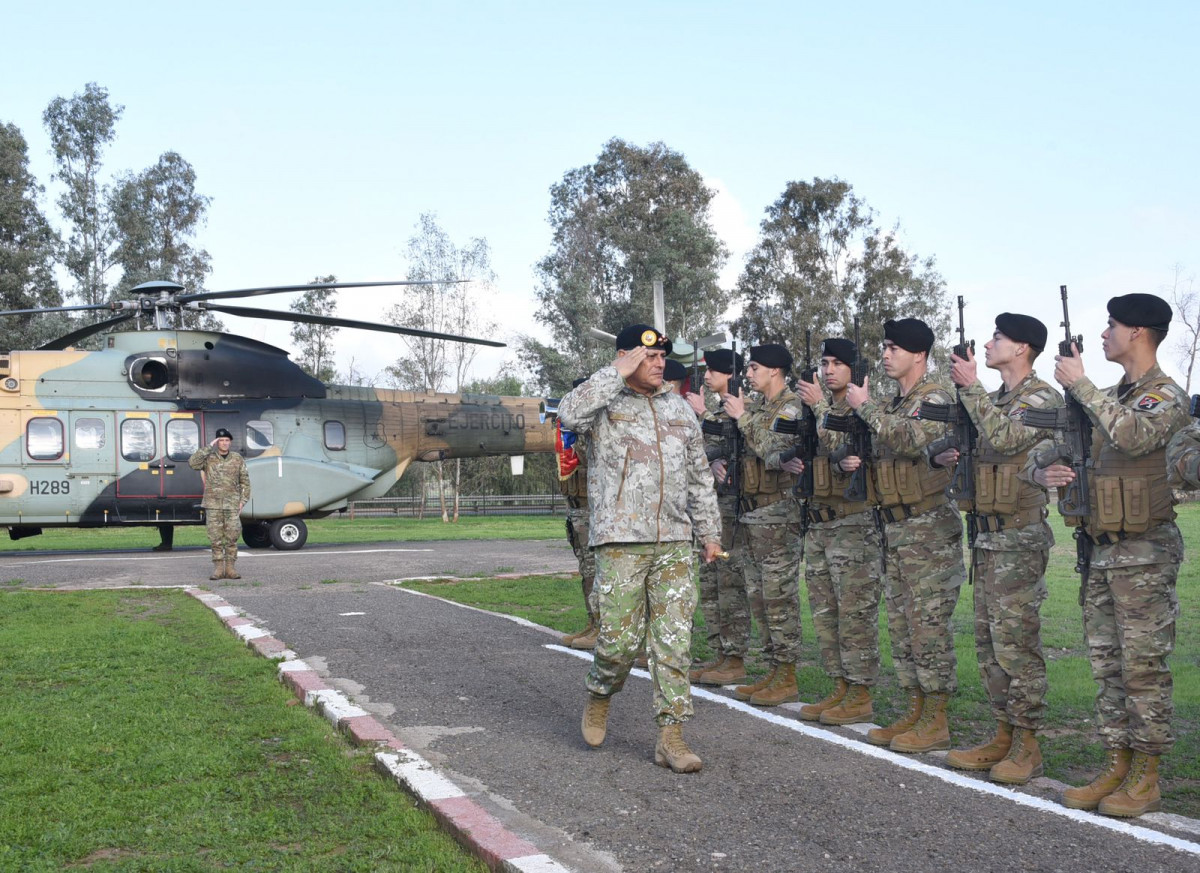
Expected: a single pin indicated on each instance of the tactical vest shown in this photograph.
(756, 478)
(829, 485)
(1128, 495)
(998, 488)
(909, 483)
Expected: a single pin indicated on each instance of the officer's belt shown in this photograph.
(996, 523)
(892, 514)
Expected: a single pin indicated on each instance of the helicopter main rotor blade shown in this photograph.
(80, 308)
(284, 289)
(308, 318)
(75, 336)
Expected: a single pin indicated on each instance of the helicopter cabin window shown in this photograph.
(335, 436)
(183, 438)
(260, 435)
(89, 433)
(44, 439)
(137, 439)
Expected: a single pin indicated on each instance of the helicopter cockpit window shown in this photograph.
(44, 439)
(260, 435)
(335, 436)
(183, 438)
(89, 433)
(137, 439)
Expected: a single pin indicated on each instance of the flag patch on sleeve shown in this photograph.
(1149, 401)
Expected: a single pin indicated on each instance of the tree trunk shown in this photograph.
(457, 485)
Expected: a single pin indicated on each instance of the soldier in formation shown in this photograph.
(226, 490)
(651, 492)
(1131, 552)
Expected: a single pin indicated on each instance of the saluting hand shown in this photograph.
(627, 362)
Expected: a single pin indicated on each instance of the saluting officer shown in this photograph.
(1129, 603)
(226, 490)
(1011, 544)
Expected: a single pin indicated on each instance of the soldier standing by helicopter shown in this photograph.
(226, 490)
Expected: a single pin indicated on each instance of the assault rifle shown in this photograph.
(858, 442)
(964, 433)
(1194, 406)
(803, 428)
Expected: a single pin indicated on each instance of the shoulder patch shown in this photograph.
(1150, 400)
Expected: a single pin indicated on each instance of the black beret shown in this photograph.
(1141, 310)
(1022, 329)
(911, 334)
(772, 355)
(642, 335)
(722, 361)
(224, 434)
(578, 382)
(674, 371)
(842, 349)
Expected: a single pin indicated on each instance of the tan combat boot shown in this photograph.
(931, 732)
(812, 711)
(854, 708)
(882, 736)
(986, 756)
(595, 720)
(705, 666)
(587, 639)
(230, 572)
(218, 570)
(1090, 795)
(570, 638)
(1023, 761)
(731, 670)
(745, 692)
(781, 689)
(1138, 793)
(671, 751)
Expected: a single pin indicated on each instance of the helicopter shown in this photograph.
(102, 438)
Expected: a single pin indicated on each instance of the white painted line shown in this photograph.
(351, 613)
(907, 763)
(250, 632)
(415, 772)
(294, 665)
(537, 864)
(334, 706)
(226, 611)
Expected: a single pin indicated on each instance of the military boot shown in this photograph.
(986, 756)
(745, 692)
(595, 720)
(700, 669)
(218, 570)
(1138, 792)
(1023, 761)
(642, 660)
(570, 638)
(812, 711)
(230, 572)
(587, 639)
(671, 751)
(931, 732)
(882, 736)
(781, 689)
(855, 707)
(732, 669)
(1090, 795)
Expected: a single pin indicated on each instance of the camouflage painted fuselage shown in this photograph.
(103, 437)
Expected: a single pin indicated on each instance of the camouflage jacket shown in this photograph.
(764, 447)
(1183, 458)
(897, 427)
(226, 481)
(1138, 418)
(648, 479)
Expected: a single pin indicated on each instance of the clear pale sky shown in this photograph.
(1024, 145)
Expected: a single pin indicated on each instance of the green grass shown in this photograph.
(326, 530)
(137, 734)
(1069, 744)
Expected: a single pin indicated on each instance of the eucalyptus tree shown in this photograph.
(314, 342)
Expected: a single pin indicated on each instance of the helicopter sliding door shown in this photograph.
(156, 482)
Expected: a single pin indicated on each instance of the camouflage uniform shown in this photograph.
(922, 539)
(650, 489)
(1183, 458)
(1130, 605)
(842, 566)
(772, 522)
(226, 490)
(723, 600)
(1011, 549)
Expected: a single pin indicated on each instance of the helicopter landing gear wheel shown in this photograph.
(256, 536)
(288, 534)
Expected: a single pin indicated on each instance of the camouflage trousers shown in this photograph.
(645, 591)
(224, 527)
(1129, 618)
(773, 585)
(723, 600)
(579, 523)
(1009, 590)
(924, 573)
(845, 585)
